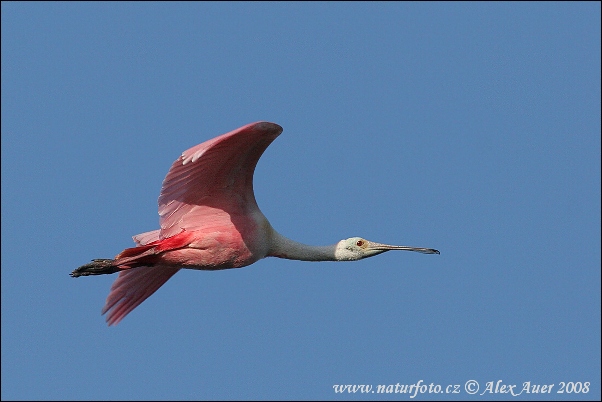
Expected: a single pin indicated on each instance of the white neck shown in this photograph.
(283, 247)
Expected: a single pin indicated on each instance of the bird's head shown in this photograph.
(356, 248)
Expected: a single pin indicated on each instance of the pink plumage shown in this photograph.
(209, 220)
(206, 203)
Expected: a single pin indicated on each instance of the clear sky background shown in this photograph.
(473, 128)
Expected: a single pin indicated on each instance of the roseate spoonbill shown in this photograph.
(210, 220)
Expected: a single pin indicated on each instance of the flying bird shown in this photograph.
(210, 220)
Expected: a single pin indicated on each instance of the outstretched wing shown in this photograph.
(214, 180)
(132, 287)
(135, 285)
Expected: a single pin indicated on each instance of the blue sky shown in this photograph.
(473, 128)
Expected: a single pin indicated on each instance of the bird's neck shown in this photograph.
(284, 247)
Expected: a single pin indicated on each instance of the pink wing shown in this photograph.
(135, 285)
(214, 180)
(132, 287)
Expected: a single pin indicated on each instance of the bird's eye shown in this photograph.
(359, 243)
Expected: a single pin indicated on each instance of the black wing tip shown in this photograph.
(268, 127)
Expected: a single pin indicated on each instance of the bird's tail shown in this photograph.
(129, 258)
(96, 267)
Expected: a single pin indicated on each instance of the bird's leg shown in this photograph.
(96, 267)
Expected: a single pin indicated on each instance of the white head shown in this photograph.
(356, 248)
